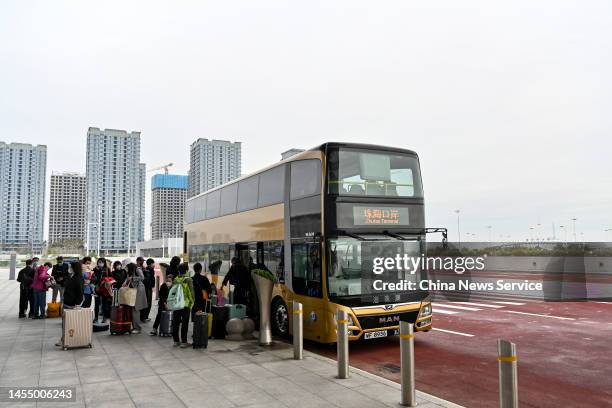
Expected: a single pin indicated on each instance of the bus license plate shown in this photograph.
(375, 335)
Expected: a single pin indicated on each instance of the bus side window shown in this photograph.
(306, 260)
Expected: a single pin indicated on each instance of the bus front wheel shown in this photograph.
(280, 318)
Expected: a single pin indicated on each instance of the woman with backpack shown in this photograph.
(180, 317)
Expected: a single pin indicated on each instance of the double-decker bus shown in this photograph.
(318, 220)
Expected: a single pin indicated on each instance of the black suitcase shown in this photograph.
(99, 327)
(165, 323)
(220, 318)
(200, 331)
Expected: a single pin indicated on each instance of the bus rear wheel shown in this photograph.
(280, 318)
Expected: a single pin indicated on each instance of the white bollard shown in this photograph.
(298, 331)
(407, 364)
(508, 382)
(342, 342)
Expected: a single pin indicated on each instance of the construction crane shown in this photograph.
(165, 167)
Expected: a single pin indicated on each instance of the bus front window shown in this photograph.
(352, 261)
(372, 173)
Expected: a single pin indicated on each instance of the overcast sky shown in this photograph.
(509, 104)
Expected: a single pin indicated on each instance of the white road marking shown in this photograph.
(436, 310)
(480, 304)
(473, 309)
(510, 303)
(453, 332)
(540, 315)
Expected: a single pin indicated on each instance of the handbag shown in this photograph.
(127, 296)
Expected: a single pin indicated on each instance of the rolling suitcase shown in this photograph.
(76, 328)
(200, 331)
(236, 311)
(220, 319)
(165, 324)
(121, 320)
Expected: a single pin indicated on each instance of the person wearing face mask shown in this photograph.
(100, 270)
(119, 274)
(73, 288)
(161, 303)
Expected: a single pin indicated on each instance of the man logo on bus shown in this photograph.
(389, 319)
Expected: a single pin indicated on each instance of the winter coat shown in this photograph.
(73, 290)
(26, 277)
(141, 294)
(41, 276)
(59, 273)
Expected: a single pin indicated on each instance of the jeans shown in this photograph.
(106, 306)
(57, 289)
(24, 298)
(40, 302)
(180, 318)
(31, 297)
(86, 300)
(158, 317)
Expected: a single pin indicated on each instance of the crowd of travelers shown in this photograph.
(85, 284)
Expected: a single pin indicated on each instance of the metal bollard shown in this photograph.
(298, 331)
(12, 266)
(407, 364)
(508, 384)
(342, 342)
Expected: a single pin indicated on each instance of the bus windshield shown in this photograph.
(351, 264)
(355, 172)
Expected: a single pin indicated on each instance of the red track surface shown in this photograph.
(562, 363)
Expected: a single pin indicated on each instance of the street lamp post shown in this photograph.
(458, 228)
(489, 227)
(574, 223)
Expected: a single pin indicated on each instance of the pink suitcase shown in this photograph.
(77, 328)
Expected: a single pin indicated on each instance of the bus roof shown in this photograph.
(306, 154)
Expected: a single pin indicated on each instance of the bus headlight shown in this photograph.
(425, 310)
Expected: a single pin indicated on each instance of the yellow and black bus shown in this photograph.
(317, 220)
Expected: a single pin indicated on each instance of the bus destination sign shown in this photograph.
(380, 215)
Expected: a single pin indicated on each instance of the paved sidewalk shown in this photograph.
(144, 371)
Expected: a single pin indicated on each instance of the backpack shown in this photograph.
(176, 298)
(180, 296)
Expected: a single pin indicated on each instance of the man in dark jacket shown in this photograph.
(201, 284)
(25, 277)
(239, 276)
(58, 272)
(148, 281)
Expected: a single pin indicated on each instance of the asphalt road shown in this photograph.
(564, 350)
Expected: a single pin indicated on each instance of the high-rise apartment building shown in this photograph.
(168, 196)
(23, 170)
(115, 191)
(67, 208)
(212, 163)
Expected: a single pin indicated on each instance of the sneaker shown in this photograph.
(58, 344)
(153, 333)
(147, 320)
(95, 321)
(185, 345)
(135, 331)
(176, 344)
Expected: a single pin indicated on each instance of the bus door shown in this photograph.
(307, 283)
